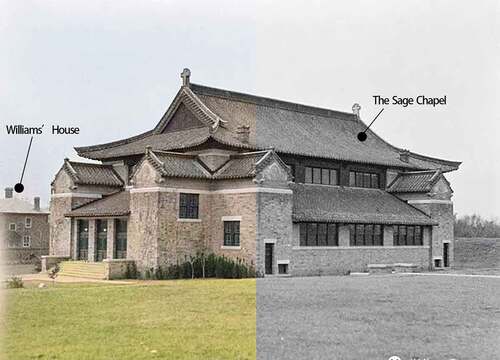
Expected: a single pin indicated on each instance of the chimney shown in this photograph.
(243, 133)
(8, 192)
(404, 156)
(355, 109)
(36, 203)
(185, 75)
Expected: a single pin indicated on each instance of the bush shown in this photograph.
(215, 267)
(15, 283)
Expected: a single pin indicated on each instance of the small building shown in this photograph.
(286, 187)
(24, 230)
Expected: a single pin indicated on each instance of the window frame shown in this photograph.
(366, 235)
(401, 235)
(364, 179)
(231, 233)
(309, 234)
(12, 228)
(26, 226)
(316, 174)
(28, 243)
(189, 209)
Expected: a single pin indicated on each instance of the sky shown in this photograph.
(112, 68)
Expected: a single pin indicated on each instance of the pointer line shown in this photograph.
(26, 160)
(380, 112)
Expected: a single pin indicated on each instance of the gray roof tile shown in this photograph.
(415, 181)
(116, 204)
(353, 205)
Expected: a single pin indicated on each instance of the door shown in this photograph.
(101, 240)
(121, 239)
(446, 254)
(83, 240)
(269, 259)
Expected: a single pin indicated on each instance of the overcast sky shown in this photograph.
(112, 68)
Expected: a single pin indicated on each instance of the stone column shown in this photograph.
(74, 239)
(110, 251)
(92, 240)
(344, 235)
(388, 235)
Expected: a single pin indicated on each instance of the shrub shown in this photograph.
(215, 267)
(15, 283)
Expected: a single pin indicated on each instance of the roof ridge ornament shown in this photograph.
(185, 75)
(355, 110)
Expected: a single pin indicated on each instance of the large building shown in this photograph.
(286, 187)
(24, 230)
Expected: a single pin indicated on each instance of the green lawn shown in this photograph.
(185, 319)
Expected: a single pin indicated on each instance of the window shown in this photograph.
(27, 223)
(231, 233)
(188, 206)
(366, 235)
(318, 234)
(12, 226)
(405, 235)
(26, 241)
(291, 167)
(322, 176)
(363, 179)
(282, 269)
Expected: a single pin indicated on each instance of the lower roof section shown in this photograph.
(338, 204)
(116, 204)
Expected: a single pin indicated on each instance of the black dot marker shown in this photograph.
(19, 188)
(362, 136)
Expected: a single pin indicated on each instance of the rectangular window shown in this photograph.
(318, 234)
(364, 179)
(12, 226)
(188, 206)
(366, 235)
(406, 235)
(27, 223)
(292, 170)
(231, 233)
(323, 176)
(26, 241)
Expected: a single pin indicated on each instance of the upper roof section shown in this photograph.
(200, 113)
(92, 174)
(19, 206)
(116, 204)
(181, 165)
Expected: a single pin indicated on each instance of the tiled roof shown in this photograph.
(92, 174)
(178, 165)
(172, 164)
(19, 206)
(414, 181)
(240, 166)
(117, 204)
(353, 205)
(287, 127)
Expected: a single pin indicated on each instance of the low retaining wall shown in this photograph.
(118, 268)
(342, 260)
(49, 261)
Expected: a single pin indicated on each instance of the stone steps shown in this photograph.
(82, 269)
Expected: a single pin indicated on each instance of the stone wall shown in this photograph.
(339, 261)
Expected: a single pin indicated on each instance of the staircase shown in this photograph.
(83, 269)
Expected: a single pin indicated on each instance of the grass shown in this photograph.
(477, 254)
(375, 317)
(184, 319)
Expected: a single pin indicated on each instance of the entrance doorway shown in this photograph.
(446, 254)
(82, 240)
(269, 259)
(101, 240)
